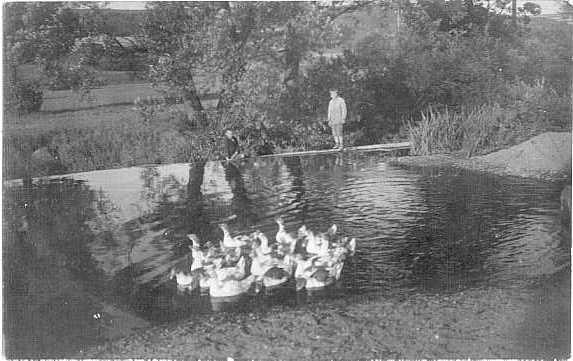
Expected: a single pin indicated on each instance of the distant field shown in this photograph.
(31, 71)
(121, 87)
(62, 100)
(37, 123)
(66, 100)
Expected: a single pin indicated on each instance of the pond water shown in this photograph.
(103, 242)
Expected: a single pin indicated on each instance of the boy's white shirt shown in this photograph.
(336, 111)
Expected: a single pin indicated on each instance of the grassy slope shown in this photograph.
(37, 123)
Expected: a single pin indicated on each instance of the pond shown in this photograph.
(85, 251)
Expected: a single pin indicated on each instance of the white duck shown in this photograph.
(229, 255)
(233, 242)
(207, 276)
(318, 243)
(316, 272)
(230, 281)
(202, 269)
(271, 271)
(199, 257)
(260, 242)
(347, 243)
(186, 278)
(238, 271)
(285, 240)
(230, 287)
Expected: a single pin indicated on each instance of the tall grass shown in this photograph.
(436, 132)
(527, 110)
(471, 130)
(106, 146)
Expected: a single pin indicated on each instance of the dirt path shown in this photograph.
(486, 323)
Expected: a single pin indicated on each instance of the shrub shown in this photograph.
(435, 132)
(526, 110)
(25, 97)
(484, 128)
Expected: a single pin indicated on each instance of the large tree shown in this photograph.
(47, 34)
(188, 40)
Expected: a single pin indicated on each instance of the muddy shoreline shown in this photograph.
(480, 323)
(546, 157)
(479, 165)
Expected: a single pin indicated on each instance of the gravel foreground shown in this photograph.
(480, 323)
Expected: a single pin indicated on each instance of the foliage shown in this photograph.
(436, 132)
(546, 54)
(527, 111)
(186, 40)
(24, 97)
(102, 147)
(466, 76)
(66, 44)
(449, 54)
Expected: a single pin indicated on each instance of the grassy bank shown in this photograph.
(484, 323)
(526, 111)
(45, 143)
(100, 138)
(545, 157)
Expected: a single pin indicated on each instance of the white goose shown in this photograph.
(317, 272)
(260, 242)
(318, 243)
(347, 243)
(186, 278)
(230, 287)
(238, 271)
(230, 281)
(285, 240)
(233, 242)
(202, 268)
(271, 271)
(198, 255)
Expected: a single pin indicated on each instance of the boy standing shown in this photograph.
(336, 118)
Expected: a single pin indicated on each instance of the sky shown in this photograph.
(548, 7)
(127, 5)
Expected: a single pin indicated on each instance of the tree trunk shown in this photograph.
(292, 58)
(514, 12)
(191, 97)
(195, 209)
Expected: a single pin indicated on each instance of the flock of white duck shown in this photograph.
(313, 259)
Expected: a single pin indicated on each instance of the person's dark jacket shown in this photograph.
(231, 146)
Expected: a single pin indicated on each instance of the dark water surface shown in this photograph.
(98, 246)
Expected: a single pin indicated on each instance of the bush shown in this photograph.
(78, 78)
(436, 132)
(526, 111)
(104, 146)
(25, 97)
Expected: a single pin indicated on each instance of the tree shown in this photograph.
(187, 40)
(44, 34)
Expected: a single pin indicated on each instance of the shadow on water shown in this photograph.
(75, 246)
(49, 271)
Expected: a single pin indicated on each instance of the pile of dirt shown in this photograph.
(545, 157)
(546, 154)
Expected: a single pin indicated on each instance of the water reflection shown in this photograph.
(117, 233)
(241, 205)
